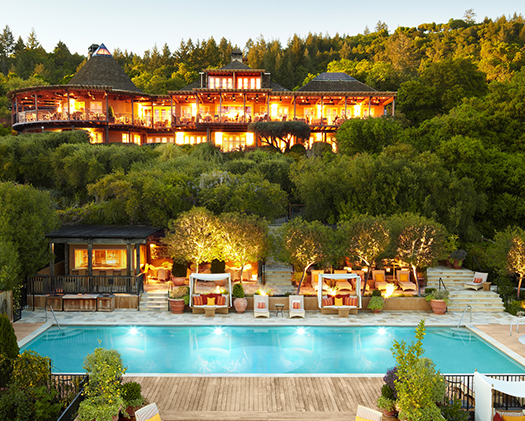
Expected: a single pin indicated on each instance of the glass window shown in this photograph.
(101, 259)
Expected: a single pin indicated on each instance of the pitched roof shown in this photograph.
(335, 82)
(104, 231)
(102, 69)
(235, 65)
(274, 86)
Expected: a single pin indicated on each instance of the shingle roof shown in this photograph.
(103, 70)
(191, 86)
(104, 231)
(235, 65)
(274, 86)
(335, 82)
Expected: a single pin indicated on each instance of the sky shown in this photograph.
(137, 26)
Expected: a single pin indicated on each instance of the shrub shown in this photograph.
(238, 291)
(131, 392)
(8, 343)
(451, 411)
(31, 369)
(376, 293)
(179, 293)
(298, 148)
(179, 270)
(376, 303)
(217, 266)
(441, 294)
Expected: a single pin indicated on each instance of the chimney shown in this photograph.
(92, 48)
(237, 55)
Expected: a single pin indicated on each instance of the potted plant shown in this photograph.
(387, 400)
(387, 405)
(178, 298)
(131, 393)
(376, 304)
(100, 408)
(178, 270)
(240, 303)
(455, 259)
(438, 300)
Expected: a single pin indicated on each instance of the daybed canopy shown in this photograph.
(323, 276)
(483, 387)
(210, 277)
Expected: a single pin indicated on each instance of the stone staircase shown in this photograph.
(278, 276)
(481, 301)
(155, 300)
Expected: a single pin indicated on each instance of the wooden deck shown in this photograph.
(259, 398)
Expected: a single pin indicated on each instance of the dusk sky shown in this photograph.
(139, 25)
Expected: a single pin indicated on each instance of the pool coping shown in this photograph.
(498, 345)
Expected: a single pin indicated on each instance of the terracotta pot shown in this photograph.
(392, 413)
(377, 311)
(178, 281)
(240, 304)
(438, 306)
(130, 410)
(176, 306)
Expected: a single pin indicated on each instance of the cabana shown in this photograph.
(344, 304)
(483, 390)
(210, 303)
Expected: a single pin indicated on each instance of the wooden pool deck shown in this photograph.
(259, 398)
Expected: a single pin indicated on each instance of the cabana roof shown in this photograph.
(113, 233)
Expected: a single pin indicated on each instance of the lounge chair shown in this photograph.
(315, 280)
(148, 413)
(403, 281)
(342, 284)
(477, 281)
(379, 279)
(367, 414)
(260, 306)
(296, 305)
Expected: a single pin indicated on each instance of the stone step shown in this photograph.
(156, 300)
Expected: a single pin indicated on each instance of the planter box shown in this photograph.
(80, 302)
(126, 301)
(106, 303)
(55, 302)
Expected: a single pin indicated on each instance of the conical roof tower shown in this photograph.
(101, 69)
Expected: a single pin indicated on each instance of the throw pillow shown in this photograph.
(296, 305)
(261, 304)
(338, 301)
(403, 277)
(211, 301)
(198, 300)
(512, 418)
(351, 301)
(478, 280)
(328, 302)
(497, 417)
(380, 277)
(220, 301)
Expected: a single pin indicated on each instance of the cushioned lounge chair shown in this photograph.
(403, 281)
(296, 305)
(367, 414)
(379, 278)
(342, 284)
(477, 281)
(315, 280)
(148, 413)
(260, 306)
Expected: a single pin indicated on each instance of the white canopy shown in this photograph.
(210, 277)
(483, 387)
(323, 276)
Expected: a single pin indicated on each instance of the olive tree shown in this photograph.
(508, 253)
(195, 236)
(303, 244)
(244, 238)
(417, 241)
(364, 238)
(273, 132)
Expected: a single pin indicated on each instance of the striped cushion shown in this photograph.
(296, 305)
(351, 301)
(198, 300)
(261, 304)
(221, 300)
(478, 280)
(328, 301)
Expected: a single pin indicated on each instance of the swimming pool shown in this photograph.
(267, 350)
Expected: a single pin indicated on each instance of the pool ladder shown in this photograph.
(52, 311)
(468, 307)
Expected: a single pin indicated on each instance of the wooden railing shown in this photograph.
(75, 284)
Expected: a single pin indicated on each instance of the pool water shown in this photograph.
(268, 350)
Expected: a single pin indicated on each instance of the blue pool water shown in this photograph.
(277, 350)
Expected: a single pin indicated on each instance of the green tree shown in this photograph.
(278, 133)
(303, 244)
(364, 238)
(195, 236)
(508, 253)
(417, 241)
(244, 238)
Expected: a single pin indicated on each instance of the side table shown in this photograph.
(279, 309)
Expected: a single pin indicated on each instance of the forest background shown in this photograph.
(453, 153)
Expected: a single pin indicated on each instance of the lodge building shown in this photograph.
(217, 108)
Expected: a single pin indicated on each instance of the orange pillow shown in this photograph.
(351, 301)
(338, 301)
(220, 301)
(198, 300)
(328, 301)
(380, 277)
(511, 418)
(296, 305)
(478, 280)
(403, 277)
(261, 304)
(211, 301)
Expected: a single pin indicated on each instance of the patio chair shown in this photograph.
(342, 284)
(148, 413)
(379, 279)
(367, 414)
(403, 280)
(477, 281)
(315, 280)
(260, 306)
(296, 305)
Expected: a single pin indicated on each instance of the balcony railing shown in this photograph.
(76, 284)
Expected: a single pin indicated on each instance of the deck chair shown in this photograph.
(477, 281)
(403, 281)
(148, 413)
(367, 414)
(260, 306)
(343, 284)
(315, 280)
(296, 305)
(379, 278)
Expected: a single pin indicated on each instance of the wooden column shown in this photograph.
(268, 106)
(129, 268)
(66, 259)
(294, 107)
(14, 115)
(36, 106)
(90, 258)
(394, 108)
(52, 262)
(197, 113)
(220, 108)
(346, 113)
(171, 116)
(322, 110)
(132, 112)
(137, 254)
(68, 107)
(152, 115)
(106, 140)
(244, 106)
(369, 105)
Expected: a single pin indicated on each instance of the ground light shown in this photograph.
(218, 330)
(382, 331)
(301, 331)
(133, 331)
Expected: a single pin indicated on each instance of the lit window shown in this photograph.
(125, 138)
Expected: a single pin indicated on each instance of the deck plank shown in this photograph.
(259, 398)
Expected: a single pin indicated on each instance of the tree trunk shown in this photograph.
(366, 281)
(519, 285)
(417, 281)
(302, 278)
(242, 268)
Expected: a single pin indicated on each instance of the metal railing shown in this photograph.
(461, 386)
(440, 282)
(54, 315)
(467, 307)
(69, 387)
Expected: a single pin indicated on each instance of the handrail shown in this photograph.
(52, 311)
(440, 282)
(468, 306)
(519, 314)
